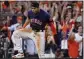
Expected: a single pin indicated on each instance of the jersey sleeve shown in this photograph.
(11, 28)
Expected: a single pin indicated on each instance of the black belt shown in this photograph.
(38, 30)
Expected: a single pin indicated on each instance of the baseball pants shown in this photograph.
(37, 37)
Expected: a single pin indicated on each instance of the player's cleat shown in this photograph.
(19, 55)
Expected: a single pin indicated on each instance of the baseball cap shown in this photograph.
(35, 4)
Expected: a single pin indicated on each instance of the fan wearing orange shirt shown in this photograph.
(73, 46)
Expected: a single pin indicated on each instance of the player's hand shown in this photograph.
(4, 28)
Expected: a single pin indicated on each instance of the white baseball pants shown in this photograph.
(37, 37)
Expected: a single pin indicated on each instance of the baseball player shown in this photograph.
(37, 18)
(14, 27)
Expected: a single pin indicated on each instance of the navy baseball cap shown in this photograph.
(35, 4)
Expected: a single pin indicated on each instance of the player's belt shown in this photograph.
(38, 30)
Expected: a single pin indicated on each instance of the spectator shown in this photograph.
(78, 38)
(17, 10)
(73, 46)
(64, 45)
(13, 28)
(5, 6)
(50, 41)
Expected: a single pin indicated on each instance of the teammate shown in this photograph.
(14, 27)
(37, 18)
